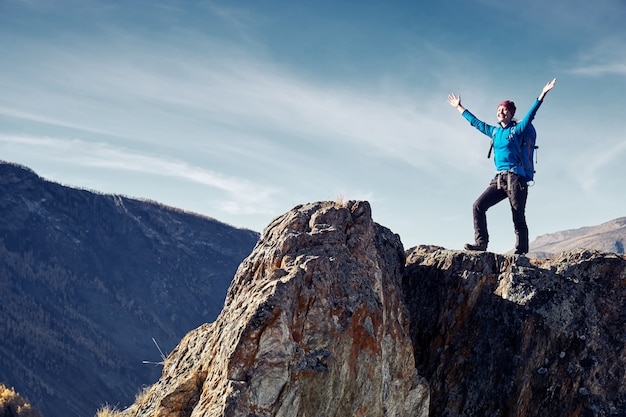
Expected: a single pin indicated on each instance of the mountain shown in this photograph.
(88, 280)
(330, 316)
(607, 237)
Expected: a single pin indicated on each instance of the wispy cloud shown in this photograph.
(139, 87)
(617, 68)
(244, 196)
(607, 57)
(589, 168)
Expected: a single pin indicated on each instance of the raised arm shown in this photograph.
(523, 124)
(455, 101)
(549, 86)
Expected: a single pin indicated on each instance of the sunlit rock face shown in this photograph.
(313, 325)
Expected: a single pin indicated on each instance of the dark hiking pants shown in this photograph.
(504, 185)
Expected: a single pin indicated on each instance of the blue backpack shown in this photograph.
(528, 152)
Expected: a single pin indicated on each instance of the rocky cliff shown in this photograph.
(330, 317)
(314, 324)
(499, 336)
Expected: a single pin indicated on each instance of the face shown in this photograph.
(504, 115)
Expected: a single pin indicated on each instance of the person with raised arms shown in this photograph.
(510, 180)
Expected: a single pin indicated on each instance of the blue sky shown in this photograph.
(241, 110)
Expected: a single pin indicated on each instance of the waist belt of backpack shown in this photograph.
(508, 178)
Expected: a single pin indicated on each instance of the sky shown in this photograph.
(242, 110)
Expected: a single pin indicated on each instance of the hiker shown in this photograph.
(510, 180)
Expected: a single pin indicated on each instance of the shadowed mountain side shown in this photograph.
(89, 279)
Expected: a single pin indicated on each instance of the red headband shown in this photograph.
(510, 106)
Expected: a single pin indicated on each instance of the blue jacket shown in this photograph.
(507, 141)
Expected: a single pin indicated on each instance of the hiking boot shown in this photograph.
(477, 246)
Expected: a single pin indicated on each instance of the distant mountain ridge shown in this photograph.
(606, 237)
(88, 279)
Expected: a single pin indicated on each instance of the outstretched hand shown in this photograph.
(549, 86)
(455, 101)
